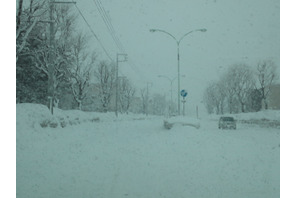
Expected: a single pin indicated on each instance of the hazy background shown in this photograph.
(238, 31)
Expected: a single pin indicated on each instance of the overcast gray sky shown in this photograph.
(238, 31)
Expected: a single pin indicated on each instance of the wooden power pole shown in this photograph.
(117, 80)
(51, 58)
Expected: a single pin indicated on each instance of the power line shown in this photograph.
(119, 44)
(117, 41)
(108, 24)
(112, 32)
(93, 32)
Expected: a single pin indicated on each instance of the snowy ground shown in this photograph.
(135, 156)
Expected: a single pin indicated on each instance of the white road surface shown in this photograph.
(141, 159)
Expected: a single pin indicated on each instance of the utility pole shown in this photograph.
(51, 59)
(117, 80)
(51, 69)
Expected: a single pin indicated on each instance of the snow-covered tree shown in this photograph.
(81, 64)
(233, 90)
(62, 49)
(105, 75)
(214, 98)
(144, 100)
(230, 90)
(26, 20)
(31, 83)
(243, 82)
(254, 102)
(209, 99)
(266, 74)
(159, 104)
(126, 93)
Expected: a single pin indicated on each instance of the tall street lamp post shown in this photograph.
(178, 64)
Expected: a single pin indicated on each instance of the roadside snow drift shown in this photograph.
(181, 121)
(135, 156)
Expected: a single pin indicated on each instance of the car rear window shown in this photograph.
(228, 119)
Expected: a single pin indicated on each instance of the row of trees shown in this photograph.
(81, 80)
(241, 89)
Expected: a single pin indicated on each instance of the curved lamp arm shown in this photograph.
(157, 30)
(200, 30)
(162, 76)
(170, 79)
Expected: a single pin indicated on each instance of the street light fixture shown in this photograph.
(178, 64)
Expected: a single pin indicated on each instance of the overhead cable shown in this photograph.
(96, 37)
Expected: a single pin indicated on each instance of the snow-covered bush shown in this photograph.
(37, 115)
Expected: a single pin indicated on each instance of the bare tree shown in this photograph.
(106, 77)
(266, 73)
(222, 95)
(207, 102)
(144, 99)
(230, 88)
(243, 82)
(126, 93)
(214, 97)
(81, 64)
(210, 99)
(158, 104)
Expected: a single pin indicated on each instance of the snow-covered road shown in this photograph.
(140, 158)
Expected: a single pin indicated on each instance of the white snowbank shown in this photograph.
(265, 114)
(265, 118)
(181, 120)
(37, 115)
(136, 157)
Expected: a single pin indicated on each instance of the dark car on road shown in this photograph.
(227, 123)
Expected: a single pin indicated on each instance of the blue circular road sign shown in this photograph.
(183, 93)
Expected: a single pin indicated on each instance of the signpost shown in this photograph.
(197, 111)
(183, 93)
